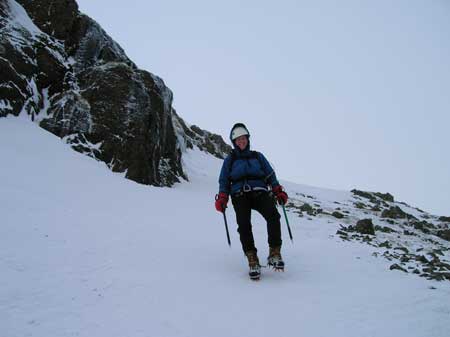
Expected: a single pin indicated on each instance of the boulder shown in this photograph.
(365, 226)
(307, 208)
(337, 215)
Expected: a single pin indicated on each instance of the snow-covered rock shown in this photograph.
(64, 71)
(413, 240)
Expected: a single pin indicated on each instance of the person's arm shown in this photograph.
(224, 186)
(224, 178)
(271, 177)
(272, 180)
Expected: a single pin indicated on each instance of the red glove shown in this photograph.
(281, 195)
(221, 201)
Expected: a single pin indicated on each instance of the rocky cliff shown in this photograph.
(60, 68)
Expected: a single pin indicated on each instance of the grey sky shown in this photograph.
(339, 94)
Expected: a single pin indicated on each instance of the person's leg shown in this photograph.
(242, 207)
(264, 203)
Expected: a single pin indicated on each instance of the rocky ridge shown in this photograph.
(60, 68)
(410, 239)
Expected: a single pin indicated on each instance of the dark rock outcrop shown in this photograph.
(337, 215)
(307, 208)
(54, 17)
(365, 226)
(63, 70)
(423, 226)
(396, 212)
(372, 196)
(204, 140)
(395, 266)
(385, 196)
(444, 234)
(384, 229)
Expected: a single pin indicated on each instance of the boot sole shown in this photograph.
(276, 268)
(255, 277)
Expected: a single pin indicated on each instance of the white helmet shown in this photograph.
(238, 130)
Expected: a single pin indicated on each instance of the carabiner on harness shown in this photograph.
(246, 187)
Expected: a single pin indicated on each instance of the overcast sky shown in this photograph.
(338, 94)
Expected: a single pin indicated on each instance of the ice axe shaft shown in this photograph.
(226, 228)
(287, 222)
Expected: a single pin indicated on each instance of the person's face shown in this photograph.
(242, 142)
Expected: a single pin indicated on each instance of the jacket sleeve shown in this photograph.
(271, 177)
(224, 178)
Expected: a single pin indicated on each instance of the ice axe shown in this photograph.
(226, 228)
(226, 225)
(287, 223)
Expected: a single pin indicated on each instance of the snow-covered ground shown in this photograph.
(85, 252)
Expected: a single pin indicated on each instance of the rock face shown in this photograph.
(61, 68)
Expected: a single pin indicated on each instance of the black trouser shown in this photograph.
(264, 203)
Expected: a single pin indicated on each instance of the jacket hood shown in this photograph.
(242, 125)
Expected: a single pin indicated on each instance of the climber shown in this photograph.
(246, 176)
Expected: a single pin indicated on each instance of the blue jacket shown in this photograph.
(245, 169)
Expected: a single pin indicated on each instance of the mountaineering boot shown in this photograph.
(275, 260)
(253, 264)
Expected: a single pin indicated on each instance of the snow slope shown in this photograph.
(85, 252)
